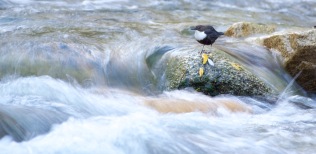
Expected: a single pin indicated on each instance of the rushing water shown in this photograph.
(75, 78)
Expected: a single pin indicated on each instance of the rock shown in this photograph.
(244, 29)
(226, 77)
(209, 105)
(299, 53)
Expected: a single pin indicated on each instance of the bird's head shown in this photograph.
(201, 27)
(198, 27)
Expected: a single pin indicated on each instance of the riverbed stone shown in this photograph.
(244, 29)
(298, 50)
(227, 76)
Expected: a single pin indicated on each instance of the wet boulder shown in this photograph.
(226, 76)
(244, 29)
(298, 50)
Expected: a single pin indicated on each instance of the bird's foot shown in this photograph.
(208, 52)
(202, 51)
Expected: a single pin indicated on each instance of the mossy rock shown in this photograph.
(227, 76)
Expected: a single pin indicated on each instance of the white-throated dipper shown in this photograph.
(206, 34)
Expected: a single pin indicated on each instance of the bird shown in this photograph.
(206, 34)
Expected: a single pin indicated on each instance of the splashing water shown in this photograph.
(119, 122)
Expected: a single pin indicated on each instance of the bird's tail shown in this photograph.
(220, 33)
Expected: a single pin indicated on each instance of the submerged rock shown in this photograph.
(244, 29)
(227, 76)
(299, 52)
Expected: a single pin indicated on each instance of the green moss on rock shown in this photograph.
(223, 78)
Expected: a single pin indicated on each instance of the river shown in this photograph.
(74, 79)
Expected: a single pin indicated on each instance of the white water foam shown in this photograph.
(143, 130)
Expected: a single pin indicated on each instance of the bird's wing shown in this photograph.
(213, 35)
(210, 30)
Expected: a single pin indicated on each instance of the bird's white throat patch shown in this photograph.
(199, 35)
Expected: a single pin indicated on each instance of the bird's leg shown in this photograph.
(211, 49)
(202, 49)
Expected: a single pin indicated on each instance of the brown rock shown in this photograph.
(210, 106)
(299, 53)
(244, 29)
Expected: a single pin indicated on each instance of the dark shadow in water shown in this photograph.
(24, 123)
(137, 72)
(153, 58)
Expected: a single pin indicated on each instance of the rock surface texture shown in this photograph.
(225, 77)
(299, 52)
(244, 29)
(297, 48)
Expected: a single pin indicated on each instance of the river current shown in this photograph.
(74, 79)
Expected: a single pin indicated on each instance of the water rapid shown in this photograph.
(79, 76)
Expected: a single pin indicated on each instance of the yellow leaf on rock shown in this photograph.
(236, 66)
(201, 71)
(204, 58)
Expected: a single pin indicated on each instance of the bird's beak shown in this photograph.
(193, 28)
